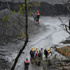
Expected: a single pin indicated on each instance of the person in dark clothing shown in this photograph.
(31, 55)
(40, 55)
(39, 58)
(45, 53)
(31, 52)
(38, 16)
(37, 20)
(26, 64)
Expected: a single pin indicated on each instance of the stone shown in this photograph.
(67, 67)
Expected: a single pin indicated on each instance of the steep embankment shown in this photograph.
(46, 9)
(12, 31)
(12, 26)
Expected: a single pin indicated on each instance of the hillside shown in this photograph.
(12, 35)
(45, 9)
(47, 1)
(14, 27)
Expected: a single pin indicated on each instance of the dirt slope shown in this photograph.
(14, 27)
(12, 33)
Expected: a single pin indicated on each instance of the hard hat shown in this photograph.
(35, 49)
(48, 49)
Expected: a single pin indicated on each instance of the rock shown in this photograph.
(60, 68)
(67, 67)
(67, 64)
(56, 9)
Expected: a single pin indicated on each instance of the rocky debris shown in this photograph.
(64, 68)
(67, 41)
(52, 10)
(55, 65)
(14, 27)
(4, 64)
(45, 9)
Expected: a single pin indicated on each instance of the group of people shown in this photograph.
(36, 16)
(36, 56)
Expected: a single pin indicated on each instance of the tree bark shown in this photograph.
(26, 41)
(69, 24)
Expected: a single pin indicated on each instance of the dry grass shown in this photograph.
(65, 51)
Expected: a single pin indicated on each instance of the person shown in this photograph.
(36, 54)
(26, 64)
(32, 55)
(49, 53)
(40, 55)
(37, 49)
(36, 57)
(38, 14)
(35, 16)
(42, 52)
(39, 58)
(45, 53)
(34, 51)
(31, 52)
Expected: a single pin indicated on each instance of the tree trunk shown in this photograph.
(69, 24)
(26, 41)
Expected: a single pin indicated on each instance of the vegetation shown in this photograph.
(65, 51)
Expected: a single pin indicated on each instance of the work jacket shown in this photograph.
(26, 62)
